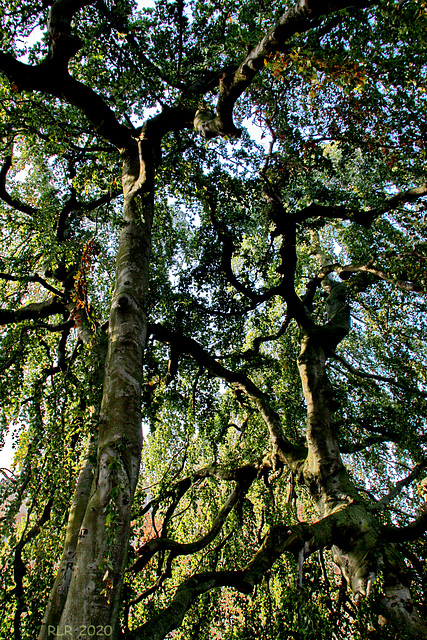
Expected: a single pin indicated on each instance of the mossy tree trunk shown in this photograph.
(359, 547)
(93, 589)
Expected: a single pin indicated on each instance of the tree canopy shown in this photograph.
(213, 319)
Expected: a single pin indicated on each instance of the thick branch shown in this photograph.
(412, 531)
(59, 591)
(301, 17)
(50, 81)
(120, 23)
(172, 617)
(33, 311)
(324, 471)
(6, 197)
(411, 195)
(279, 540)
(62, 44)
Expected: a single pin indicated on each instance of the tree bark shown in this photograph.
(61, 585)
(359, 548)
(94, 586)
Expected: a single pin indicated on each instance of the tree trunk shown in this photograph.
(93, 598)
(359, 549)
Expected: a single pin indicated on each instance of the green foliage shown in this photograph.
(344, 107)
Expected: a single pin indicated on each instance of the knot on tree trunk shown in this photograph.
(124, 304)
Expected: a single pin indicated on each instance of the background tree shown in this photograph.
(274, 282)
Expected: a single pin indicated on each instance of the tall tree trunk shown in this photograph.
(360, 550)
(93, 597)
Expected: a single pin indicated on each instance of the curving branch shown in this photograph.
(60, 84)
(186, 594)
(324, 472)
(6, 197)
(412, 531)
(227, 255)
(283, 449)
(401, 484)
(373, 376)
(336, 306)
(301, 17)
(33, 311)
(301, 540)
(34, 278)
(362, 445)
(62, 43)
(16, 353)
(404, 285)
(182, 549)
(259, 340)
(411, 195)
(364, 218)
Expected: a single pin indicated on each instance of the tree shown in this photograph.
(265, 319)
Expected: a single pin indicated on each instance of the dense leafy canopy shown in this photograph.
(280, 491)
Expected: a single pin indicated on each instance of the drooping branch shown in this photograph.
(357, 551)
(404, 285)
(34, 278)
(73, 206)
(275, 336)
(179, 549)
(401, 484)
(242, 580)
(362, 445)
(19, 568)
(227, 255)
(283, 449)
(373, 376)
(120, 23)
(172, 616)
(15, 354)
(280, 539)
(239, 475)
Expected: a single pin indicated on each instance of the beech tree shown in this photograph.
(213, 233)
